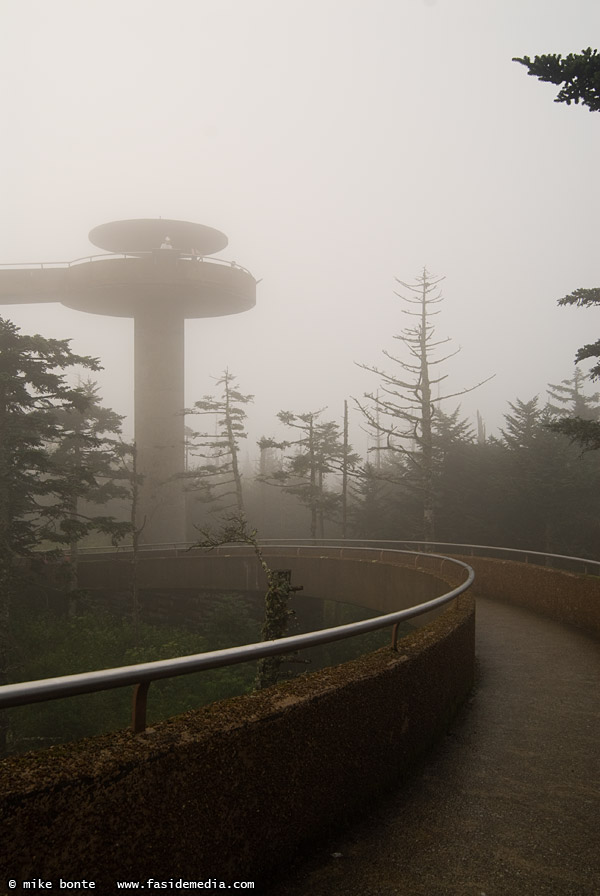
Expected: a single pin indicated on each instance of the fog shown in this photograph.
(339, 144)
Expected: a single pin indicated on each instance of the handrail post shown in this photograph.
(139, 705)
(395, 636)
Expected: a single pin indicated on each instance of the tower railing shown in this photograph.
(185, 256)
(522, 555)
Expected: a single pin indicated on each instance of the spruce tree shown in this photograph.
(580, 75)
(37, 489)
(578, 72)
(89, 453)
(320, 450)
(568, 398)
(546, 487)
(217, 481)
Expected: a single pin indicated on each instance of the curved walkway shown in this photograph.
(509, 803)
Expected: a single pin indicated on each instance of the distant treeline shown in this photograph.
(530, 487)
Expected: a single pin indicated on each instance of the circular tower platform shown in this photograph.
(146, 234)
(185, 286)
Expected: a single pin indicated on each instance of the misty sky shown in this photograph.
(339, 144)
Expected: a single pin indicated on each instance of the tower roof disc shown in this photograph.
(146, 234)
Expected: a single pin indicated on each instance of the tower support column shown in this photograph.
(159, 422)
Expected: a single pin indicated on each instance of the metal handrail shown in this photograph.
(143, 674)
(423, 546)
(187, 256)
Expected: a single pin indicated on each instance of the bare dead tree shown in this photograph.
(402, 409)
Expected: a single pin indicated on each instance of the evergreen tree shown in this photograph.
(568, 398)
(131, 481)
(583, 429)
(52, 452)
(370, 506)
(586, 298)
(36, 489)
(218, 481)
(523, 425)
(319, 452)
(452, 437)
(472, 494)
(89, 454)
(547, 488)
(579, 72)
(449, 430)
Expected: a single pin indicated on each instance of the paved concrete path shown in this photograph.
(509, 803)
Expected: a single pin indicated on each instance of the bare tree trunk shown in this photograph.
(320, 500)
(135, 546)
(233, 449)
(345, 474)
(405, 401)
(313, 479)
(5, 594)
(426, 427)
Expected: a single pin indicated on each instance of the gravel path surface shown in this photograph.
(509, 803)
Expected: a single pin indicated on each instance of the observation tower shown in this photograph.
(158, 272)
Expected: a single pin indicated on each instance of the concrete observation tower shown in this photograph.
(159, 272)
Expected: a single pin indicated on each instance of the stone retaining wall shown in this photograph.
(567, 597)
(232, 790)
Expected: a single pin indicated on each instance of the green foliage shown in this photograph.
(388, 498)
(583, 426)
(471, 495)
(53, 454)
(35, 490)
(579, 72)
(50, 645)
(582, 298)
(531, 489)
(547, 490)
(586, 298)
(90, 448)
(277, 617)
(569, 398)
(319, 451)
(370, 505)
(342, 651)
(38, 491)
(586, 433)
